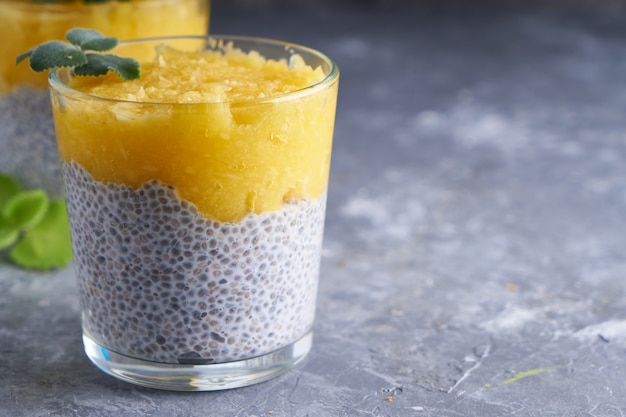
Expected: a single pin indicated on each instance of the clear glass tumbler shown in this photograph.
(197, 226)
(27, 142)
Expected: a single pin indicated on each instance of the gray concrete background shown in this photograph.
(527, 5)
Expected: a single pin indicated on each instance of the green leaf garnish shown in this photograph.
(33, 230)
(101, 64)
(58, 54)
(8, 188)
(53, 54)
(48, 244)
(26, 209)
(8, 235)
(89, 39)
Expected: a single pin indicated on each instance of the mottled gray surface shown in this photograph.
(475, 252)
(27, 142)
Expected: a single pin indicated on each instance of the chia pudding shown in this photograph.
(160, 282)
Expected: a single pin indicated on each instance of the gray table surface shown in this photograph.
(475, 248)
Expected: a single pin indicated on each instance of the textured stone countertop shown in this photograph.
(475, 249)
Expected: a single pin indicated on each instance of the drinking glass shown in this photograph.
(197, 227)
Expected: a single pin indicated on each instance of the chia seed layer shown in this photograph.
(29, 148)
(160, 282)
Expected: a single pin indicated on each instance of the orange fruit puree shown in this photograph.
(204, 128)
(24, 25)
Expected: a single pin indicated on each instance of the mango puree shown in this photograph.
(202, 123)
(25, 24)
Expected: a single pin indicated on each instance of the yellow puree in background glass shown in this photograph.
(25, 24)
(231, 157)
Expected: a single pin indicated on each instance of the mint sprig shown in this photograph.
(34, 230)
(82, 53)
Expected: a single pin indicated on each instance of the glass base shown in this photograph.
(212, 377)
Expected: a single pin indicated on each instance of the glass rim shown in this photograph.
(329, 79)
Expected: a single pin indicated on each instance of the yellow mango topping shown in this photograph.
(25, 24)
(205, 126)
(206, 77)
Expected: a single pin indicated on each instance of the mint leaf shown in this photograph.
(54, 54)
(58, 54)
(8, 235)
(127, 68)
(48, 244)
(35, 230)
(8, 188)
(26, 209)
(89, 39)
